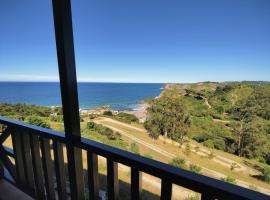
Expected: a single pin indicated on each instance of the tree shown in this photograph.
(168, 116)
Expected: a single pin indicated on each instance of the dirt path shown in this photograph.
(205, 171)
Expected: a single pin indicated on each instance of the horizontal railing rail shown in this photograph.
(43, 176)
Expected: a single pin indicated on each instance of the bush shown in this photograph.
(108, 113)
(37, 121)
(128, 117)
(109, 133)
(266, 174)
(195, 169)
(90, 125)
(187, 150)
(134, 148)
(178, 162)
(58, 118)
(209, 143)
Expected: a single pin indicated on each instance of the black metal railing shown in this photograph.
(40, 171)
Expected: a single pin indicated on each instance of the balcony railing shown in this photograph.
(34, 168)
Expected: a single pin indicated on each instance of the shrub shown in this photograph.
(37, 121)
(90, 125)
(178, 162)
(195, 197)
(209, 144)
(58, 118)
(229, 179)
(254, 187)
(195, 168)
(128, 117)
(109, 133)
(187, 150)
(266, 174)
(234, 166)
(219, 144)
(148, 156)
(108, 113)
(134, 148)
(211, 155)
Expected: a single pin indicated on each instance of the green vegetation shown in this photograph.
(134, 148)
(178, 162)
(168, 116)
(20, 111)
(232, 117)
(110, 134)
(195, 197)
(195, 168)
(37, 121)
(108, 113)
(229, 179)
(266, 174)
(126, 117)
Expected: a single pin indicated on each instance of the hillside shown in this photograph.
(232, 116)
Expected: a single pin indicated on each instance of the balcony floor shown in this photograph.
(10, 192)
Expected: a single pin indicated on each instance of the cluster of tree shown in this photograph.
(168, 116)
(233, 117)
(103, 130)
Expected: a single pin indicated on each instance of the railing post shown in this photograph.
(68, 83)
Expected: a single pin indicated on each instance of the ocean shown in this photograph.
(120, 96)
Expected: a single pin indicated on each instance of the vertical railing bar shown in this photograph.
(112, 179)
(37, 166)
(27, 160)
(136, 183)
(47, 168)
(93, 183)
(59, 169)
(166, 190)
(17, 147)
(69, 94)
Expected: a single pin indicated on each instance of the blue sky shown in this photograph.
(140, 41)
